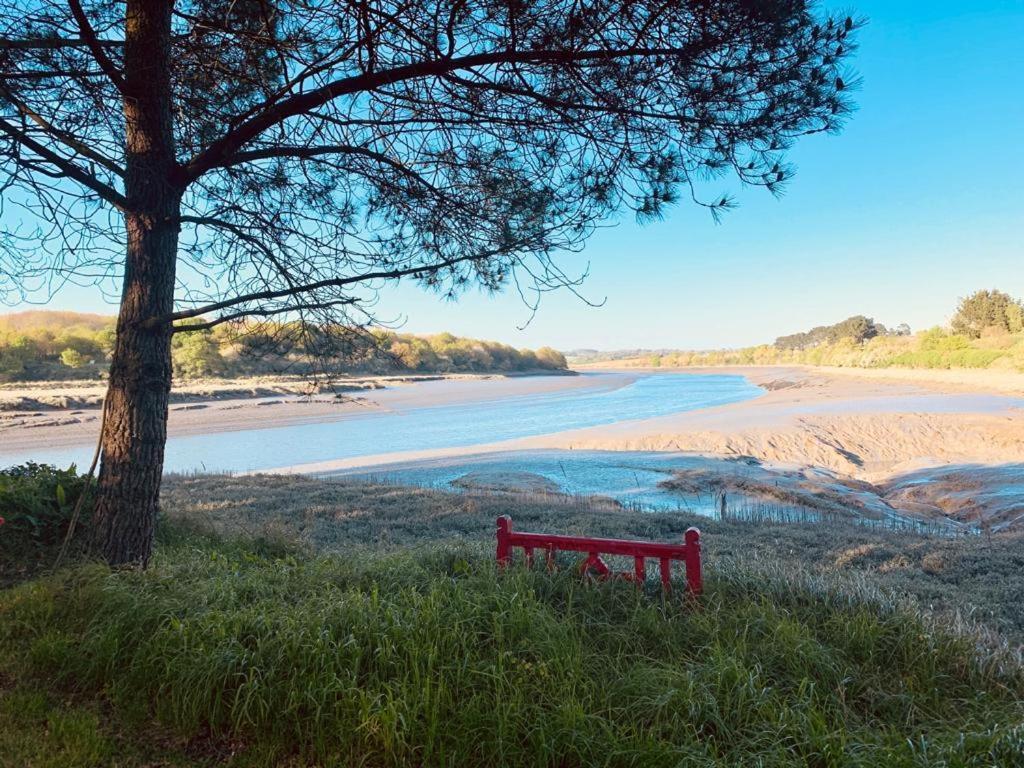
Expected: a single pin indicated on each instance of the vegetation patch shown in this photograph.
(37, 502)
(53, 345)
(981, 580)
(987, 331)
(434, 658)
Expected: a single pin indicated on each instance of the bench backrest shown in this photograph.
(688, 553)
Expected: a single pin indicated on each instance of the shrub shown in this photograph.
(72, 358)
(937, 340)
(36, 503)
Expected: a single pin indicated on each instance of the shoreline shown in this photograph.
(929, 452)
(834, 418)
(945, 380)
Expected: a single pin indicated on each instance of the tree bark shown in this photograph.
(135, 428)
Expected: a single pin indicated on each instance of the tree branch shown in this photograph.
(62, 136)
(54, 43)
(260, 313)
(316, 151)
(93, 43)
(218, 152)
(66, 167)
(241, 234)
(337, 282)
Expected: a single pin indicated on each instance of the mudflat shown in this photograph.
(918, 445)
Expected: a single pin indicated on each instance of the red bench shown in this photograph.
(687, 552)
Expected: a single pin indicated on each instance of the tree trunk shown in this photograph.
(135, 427)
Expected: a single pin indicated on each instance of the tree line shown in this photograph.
(40, 345)
(858, 328)
(985, 312)
(985, 331)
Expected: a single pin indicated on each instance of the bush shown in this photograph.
(36, 503)
(72, 358)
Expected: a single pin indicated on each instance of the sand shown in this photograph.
(868, 427)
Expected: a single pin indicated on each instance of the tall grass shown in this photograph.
(982, 574)
(434, 658)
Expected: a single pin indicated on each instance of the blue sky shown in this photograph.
(919, 201)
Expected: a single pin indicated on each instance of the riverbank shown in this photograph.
(818, 440)
(869, 423)
(870, 427)
(991, 381)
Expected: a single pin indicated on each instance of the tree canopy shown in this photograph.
(857, 328)
(226, 159)
(324, 146)
(988, 311)
(43, 345)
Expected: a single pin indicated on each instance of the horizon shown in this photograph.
(112, 316)
(896, 218)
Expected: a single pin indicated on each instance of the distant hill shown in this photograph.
(54, 321)
(601, 355)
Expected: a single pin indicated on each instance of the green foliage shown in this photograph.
(937, 340)
(36, 502)
(988, 311)
(857, 328)
(48, 349)
(37, 731)
(435, 658)
(446, 353)
(934, 348)
(988, 332)
(16, 350)
(551, 359)
(42, 730)
(34, 345)
(72, 358)
(195, 354)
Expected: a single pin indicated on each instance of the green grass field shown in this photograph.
(300, 623)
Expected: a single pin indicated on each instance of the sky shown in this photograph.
(919, 201)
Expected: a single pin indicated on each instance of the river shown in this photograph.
(620, 397)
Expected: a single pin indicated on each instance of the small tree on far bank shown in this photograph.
(72, 358)
(988, 310)
(195, 355)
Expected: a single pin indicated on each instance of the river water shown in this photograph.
(460, 425)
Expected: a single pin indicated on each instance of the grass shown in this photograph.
(977, 578)
(41, 730)
(435, 659)
(366, 625)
